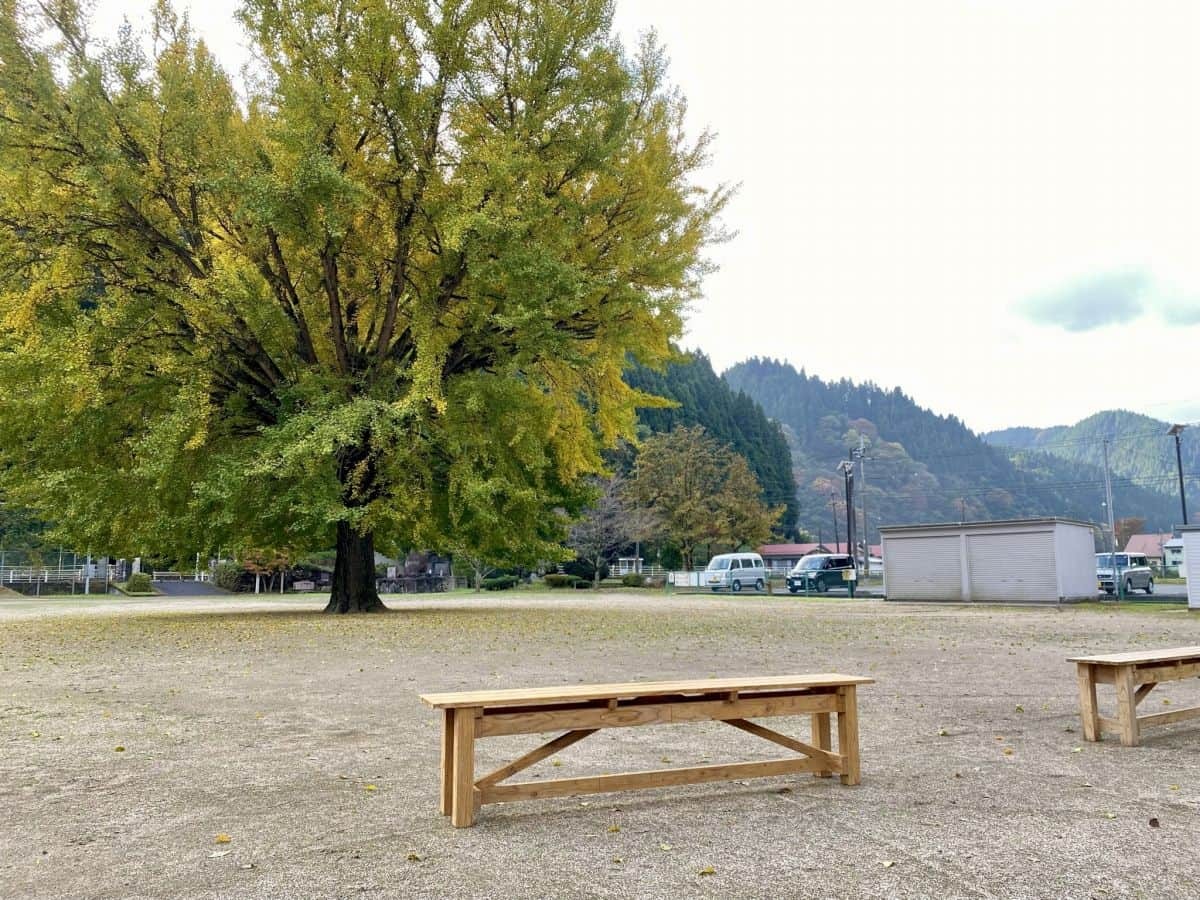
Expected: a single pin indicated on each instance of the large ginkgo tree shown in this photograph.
(382, 288)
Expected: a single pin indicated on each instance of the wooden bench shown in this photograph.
(585, 709)
(1134, 675)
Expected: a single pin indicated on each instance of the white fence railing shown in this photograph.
(56, 574)
(201, 575)
(626, 567)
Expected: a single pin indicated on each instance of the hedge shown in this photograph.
(227, 575)
(503, 583)
(560, 581)
(139, 583)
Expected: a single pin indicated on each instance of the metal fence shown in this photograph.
(57, 574)
(199, 575)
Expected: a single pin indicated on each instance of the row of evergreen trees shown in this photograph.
(728, 415)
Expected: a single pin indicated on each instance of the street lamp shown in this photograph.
(1175, 431)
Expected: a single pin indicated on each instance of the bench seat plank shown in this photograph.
(1136, 657)
(631, 690)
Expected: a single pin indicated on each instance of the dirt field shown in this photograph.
(136, 732)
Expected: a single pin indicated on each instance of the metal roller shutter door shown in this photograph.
(1016, 566)
(923, 568)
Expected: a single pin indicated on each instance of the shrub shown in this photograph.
(227, 576)
(139, 583)
(502, 583)
(633, 579)
(560, 581)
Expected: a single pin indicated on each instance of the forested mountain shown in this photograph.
(729, 416)
(920, 466)
(1140, 450)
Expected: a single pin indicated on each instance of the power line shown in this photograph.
(1056, 486)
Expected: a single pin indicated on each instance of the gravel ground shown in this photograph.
(134, 733)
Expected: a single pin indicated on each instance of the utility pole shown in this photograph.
(848, 474)
(1175, 431)
(833, 506)
(1108, 502)
(1112, 528)
(866, 532)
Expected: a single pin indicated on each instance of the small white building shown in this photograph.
(1191, 563)
(1173, 554)
(1020, 560)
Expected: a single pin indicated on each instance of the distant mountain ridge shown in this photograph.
(925, 467)
(1140, 449)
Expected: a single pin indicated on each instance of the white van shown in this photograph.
(736, 571)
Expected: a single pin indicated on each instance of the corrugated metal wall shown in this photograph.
(1012, 567)
(1191, 562)
(923, 568)
(1076, 562)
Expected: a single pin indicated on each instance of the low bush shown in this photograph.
(633, 579)
(502, 583)
(560, 581)
(139, 583)
(227, 575)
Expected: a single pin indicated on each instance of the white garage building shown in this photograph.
(1191, 551)
(1021, 560)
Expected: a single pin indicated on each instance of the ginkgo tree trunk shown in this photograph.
(381, 290)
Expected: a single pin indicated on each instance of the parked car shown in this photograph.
(736, 571)
(1133, 570)
(819, 572)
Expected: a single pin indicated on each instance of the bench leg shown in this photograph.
(821, 739)
(1087, 701)
(462, 813)
(1127, 707)
(847, 726)
(447, 761)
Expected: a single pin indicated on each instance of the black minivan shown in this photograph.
(819, 572)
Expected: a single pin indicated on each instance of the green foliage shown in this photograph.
(633, 579)
(560, 581)
(227, 575)
(139, 583)
(702, 492)
(729, 416)
(18, 527)
(395, 285)
(501, 583)
(670, 557)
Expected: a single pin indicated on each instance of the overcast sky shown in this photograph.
(993, 204)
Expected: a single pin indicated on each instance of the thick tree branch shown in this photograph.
(329, 281)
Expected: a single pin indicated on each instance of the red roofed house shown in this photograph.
(1149, 545)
